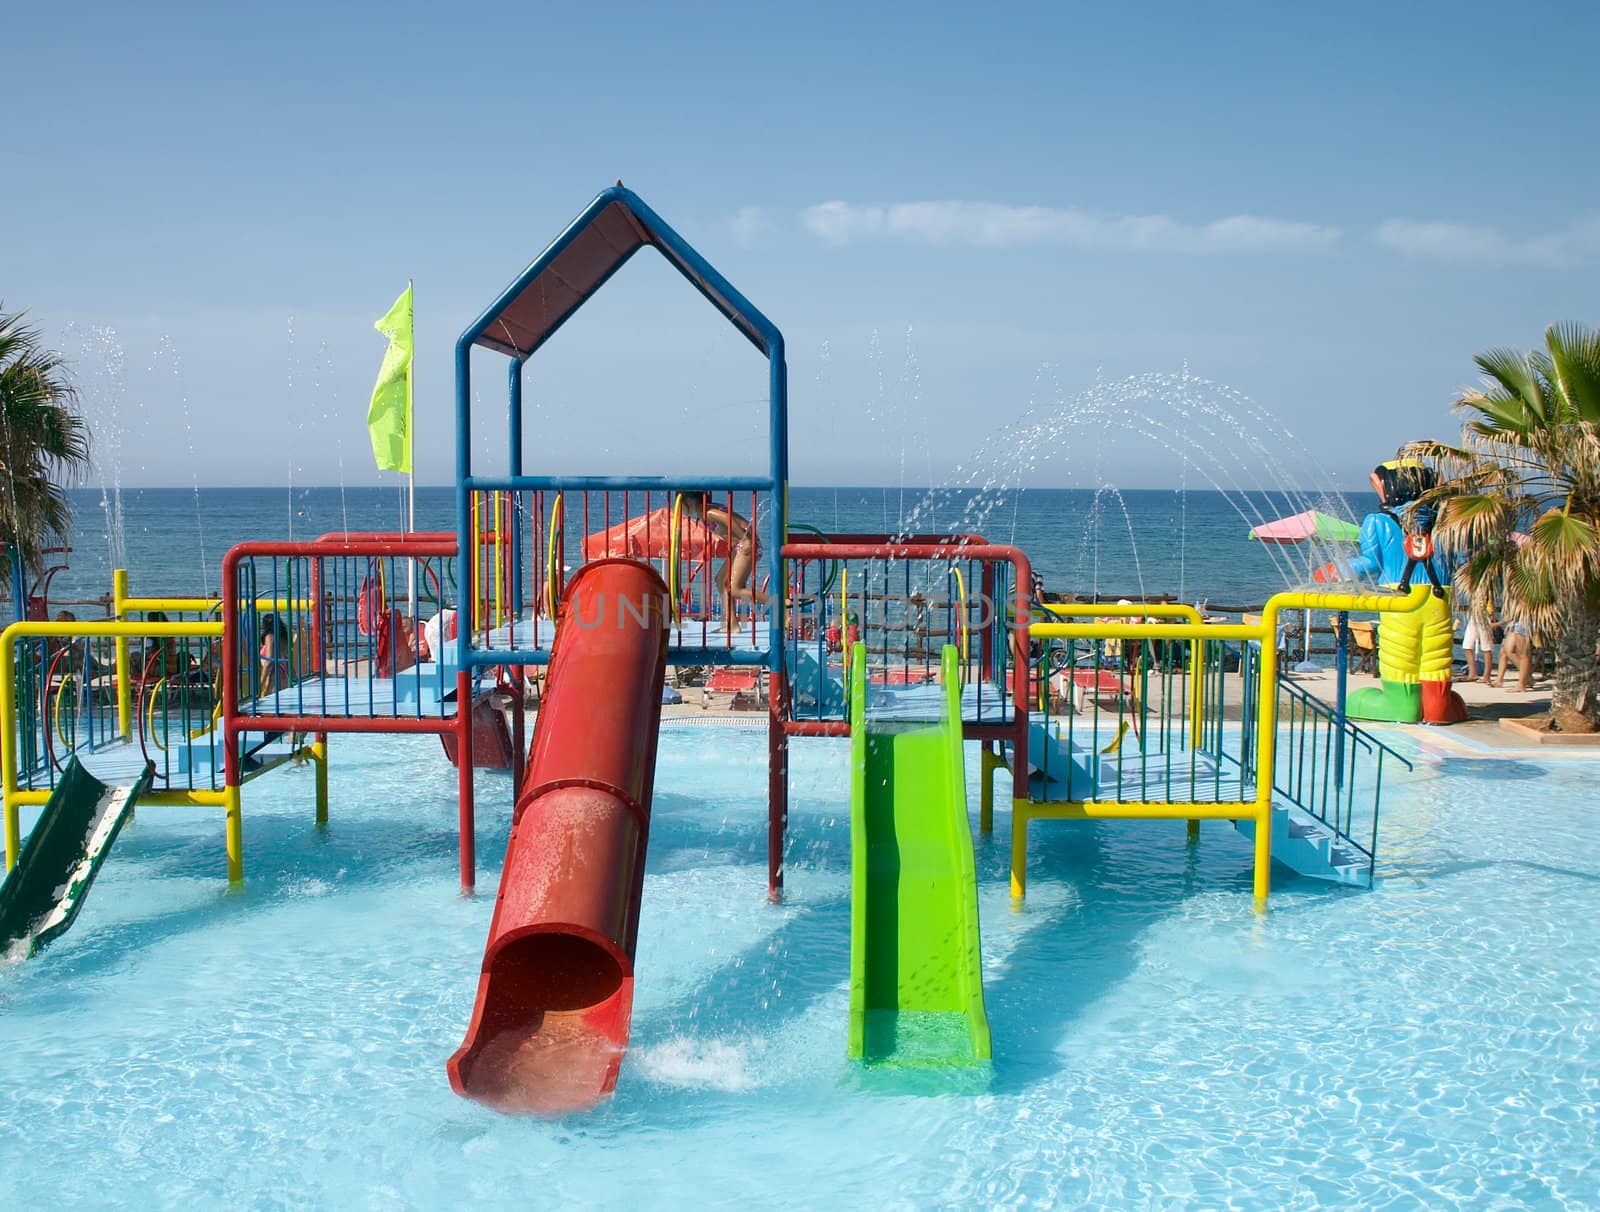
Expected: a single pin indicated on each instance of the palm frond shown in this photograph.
(1521, 393)
(1573, 357)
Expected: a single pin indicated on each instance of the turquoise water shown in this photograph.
(1435, 1043)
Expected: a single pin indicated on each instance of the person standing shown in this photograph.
(1477, 641)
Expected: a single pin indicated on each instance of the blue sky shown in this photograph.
(956, 214)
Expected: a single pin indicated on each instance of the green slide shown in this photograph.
(916, 976)
(44, 891)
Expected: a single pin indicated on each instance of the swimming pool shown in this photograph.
(1433, 1043)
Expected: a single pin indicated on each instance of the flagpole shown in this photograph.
(411, 458)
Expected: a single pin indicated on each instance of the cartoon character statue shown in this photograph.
(1415, 649)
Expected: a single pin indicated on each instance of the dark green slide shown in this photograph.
(916, 973)
(44, 891)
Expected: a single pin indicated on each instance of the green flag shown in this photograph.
(389, 415)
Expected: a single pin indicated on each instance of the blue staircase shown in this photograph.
(1311, 848)
(1059, 768)
(1327, 784)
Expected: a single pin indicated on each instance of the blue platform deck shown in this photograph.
(692, 634)
(416, 693)
(981, 703)
(118, 763)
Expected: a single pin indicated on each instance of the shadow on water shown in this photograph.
(1094, 889)
(1463, 866)
(1496, 770)
(288, 858)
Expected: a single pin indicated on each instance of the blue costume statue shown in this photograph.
(1415, 650)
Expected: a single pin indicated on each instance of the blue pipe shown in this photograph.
(778, 522)
(514, 420)
(521, 483)
(677, 653)
(1342, 668)
(466, 587)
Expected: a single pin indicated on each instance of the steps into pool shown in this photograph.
(1312, 848)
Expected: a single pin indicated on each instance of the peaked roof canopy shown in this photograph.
(595, 245)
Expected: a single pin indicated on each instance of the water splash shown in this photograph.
(1213, 435)
(102, 392)
(167, 353)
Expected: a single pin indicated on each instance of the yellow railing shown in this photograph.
(10, 784)
(1192, 629)
(492, 604)
(1149, 610)
(13, 795)
(124, 604)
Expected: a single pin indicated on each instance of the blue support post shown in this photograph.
(1342, 672)
(19, 585)
(465, 586)
(514, 409)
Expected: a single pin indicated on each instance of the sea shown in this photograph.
(1192, 546)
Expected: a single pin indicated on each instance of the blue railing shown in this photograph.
(1320, 756)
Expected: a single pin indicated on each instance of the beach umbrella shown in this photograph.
(1306, 526)
(647, 537)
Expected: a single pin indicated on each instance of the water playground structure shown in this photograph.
(587, 588)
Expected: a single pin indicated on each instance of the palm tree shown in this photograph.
(43, 442)
(1529, 462)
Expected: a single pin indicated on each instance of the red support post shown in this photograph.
(467, 820)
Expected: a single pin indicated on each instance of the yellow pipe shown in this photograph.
(13, 830)
(150, 717)
(1021, 814)
(672, 557)
(1197, 690)
(494, 547)
(477, 561)
(200, 797)
(8, 694)
(499, 559)
(235, 834)
(1142, 810)
(1149, 610)
(170, 797)
(844, 617)
(33, 628)
(963, 630)
(319, 756)
(8, 790)
(990, 762)
(119, 591)
(1152, 610)
(552, 567)
(1149, 631)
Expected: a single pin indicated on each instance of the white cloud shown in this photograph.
(997, 225)
(749, 225)
(1469, 245)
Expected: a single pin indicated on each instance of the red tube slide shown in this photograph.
(555, 994)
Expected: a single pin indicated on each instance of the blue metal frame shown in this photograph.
(514, 419)
(735, 307)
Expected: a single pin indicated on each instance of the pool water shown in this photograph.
(1433, 1043)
